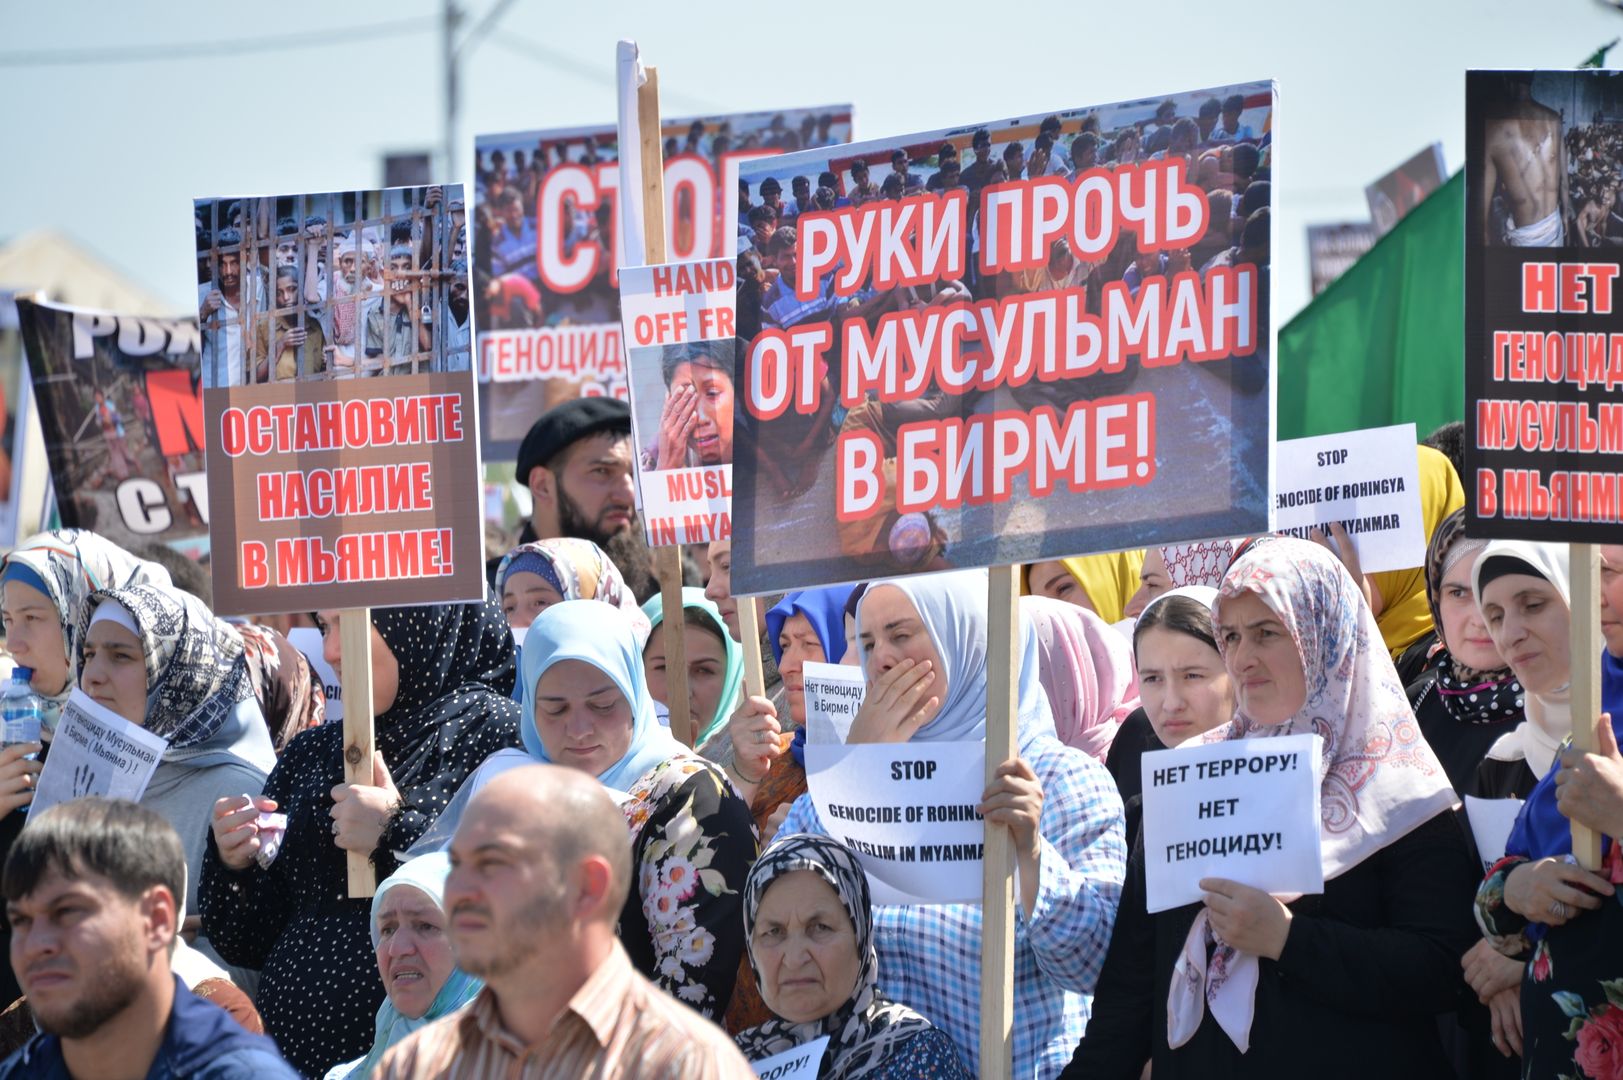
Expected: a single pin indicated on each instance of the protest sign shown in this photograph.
(1331, 249)
(1246, 810)
(121, 412)
(338, 402)
(308, 641)
(1543, 357)
(796, 1063)
(834, 693)
(908, 811)
(96, 752)
(1016, 359)
(678, 322)
(1405, 187)
(1367, 481)
(548, 232)
(1491, 821)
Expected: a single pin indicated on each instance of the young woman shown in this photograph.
(1101, 583)
(1246, 984)
(923, 645)
(1087, 673)
(715, 675)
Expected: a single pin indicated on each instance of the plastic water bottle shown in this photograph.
(21, 709)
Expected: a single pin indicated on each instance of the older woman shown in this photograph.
(1249, 985)
(808, 926)
(923, 643)
(414, 958)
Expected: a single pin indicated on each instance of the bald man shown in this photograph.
(541, 866)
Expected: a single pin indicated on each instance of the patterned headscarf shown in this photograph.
(866, 1031)
(1198, 564)
(199, 696)
(72, 564)
(579, 570)
(1468, 695)
(1086, 669)
(1379, 780)
(289, 696)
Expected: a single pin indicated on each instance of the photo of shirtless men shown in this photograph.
(1551, 159)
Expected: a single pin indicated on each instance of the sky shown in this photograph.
(112, 153)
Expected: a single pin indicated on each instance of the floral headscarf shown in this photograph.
(866, 1031)
(1198, 564)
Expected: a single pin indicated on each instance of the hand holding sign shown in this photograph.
(756, 737)
(361, 811)
(1248, 919)
(1589, 786)
(1015, 800)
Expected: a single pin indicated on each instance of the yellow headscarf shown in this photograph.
(1111, 580)
(1405, 613)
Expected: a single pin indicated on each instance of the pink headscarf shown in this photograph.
(1198, 564)
(1087, 672)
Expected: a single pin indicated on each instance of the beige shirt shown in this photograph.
(617, 1025)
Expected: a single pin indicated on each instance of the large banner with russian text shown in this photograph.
(546, 246)
(121, 409)
(1543, 343)
(338, 402)
(1009, 341)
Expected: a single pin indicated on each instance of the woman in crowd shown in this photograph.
(289, 694)
(1101, 583)
(923, 645)
(808, 927)
(1179, 566)
(442, 680)
(1086, 669)
(1398, 597)
(1469, 697)
(718, 589)
(534, 576)
(1246, 984)
(414, 959)
(161, 660)
(715, 675)
(587, 705)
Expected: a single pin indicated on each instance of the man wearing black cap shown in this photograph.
(577, 463)
(975, 176)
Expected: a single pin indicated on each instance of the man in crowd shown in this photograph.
(898, 167)
(800, 188)
(541, 866)
(862, 189)
(827, 179)
(396, 330)
(513, 249)
(282, 335)
(763, 222)
(975, 176)
(220, 303)
(1232, 130)
(1084, 153)
(947, 155)
(1206, 119)
(577, 463)
(772, 195)
(1525, 163)
(95, 895)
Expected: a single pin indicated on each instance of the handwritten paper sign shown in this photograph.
(908, 811)
(1491, 821)
(1246, 810)
(307, 640)
(1368, 481)
(96, 752)
(833, 695)
(794, 1063)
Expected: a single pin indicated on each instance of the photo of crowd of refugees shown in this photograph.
(508, 289)
(333, 286)
(1226, 143)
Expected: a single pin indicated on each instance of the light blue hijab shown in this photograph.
(952, 607)
(591, 631)
(427, 874)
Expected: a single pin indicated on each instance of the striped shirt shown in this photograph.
(617, 1025)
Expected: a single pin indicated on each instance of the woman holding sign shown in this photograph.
(1562, 922)
(808, 927)
(1344, 984)
(923, 645)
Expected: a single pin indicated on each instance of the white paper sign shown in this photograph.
(677, 302)
(1491, 821)
(908, 811)
(1246, 810)
(307, 639)
(1369, 481)
(833, 696)
(96, 752)
(798, 1063)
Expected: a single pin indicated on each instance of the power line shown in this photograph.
(123, 54)
(540, 54)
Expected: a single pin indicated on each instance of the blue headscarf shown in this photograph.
(587, 630)
(825, 610)
(953, 609)
(427, 874)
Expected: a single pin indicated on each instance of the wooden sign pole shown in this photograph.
(355, 644)
(997, 882)
(1586, 705)
(749, 618)
(667, 560)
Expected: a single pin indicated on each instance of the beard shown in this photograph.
(521, 941)
(626, 547)
(109, 993)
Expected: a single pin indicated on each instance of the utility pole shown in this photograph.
(455, 52)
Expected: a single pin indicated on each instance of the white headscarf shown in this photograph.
(1379, 779)
(1537, 739)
